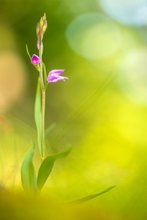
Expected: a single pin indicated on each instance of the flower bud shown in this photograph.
(41, 22)
(44, 26)
(37, 29)
(40, 30)
(35, 59)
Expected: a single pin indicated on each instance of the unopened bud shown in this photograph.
(44, 26)
(44, 17)
(37, 29)
(38, 43)
(41, 22)
(40, 30)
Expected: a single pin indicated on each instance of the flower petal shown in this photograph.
(55, 77)
(35, 59)
(56, 71)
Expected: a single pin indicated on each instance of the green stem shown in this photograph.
(41, 67)
(42, 103)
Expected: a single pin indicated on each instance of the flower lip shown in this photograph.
(53, 76)
(35, 59)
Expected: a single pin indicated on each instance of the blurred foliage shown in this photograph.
(101, 111)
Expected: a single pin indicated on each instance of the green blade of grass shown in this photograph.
(92, 196)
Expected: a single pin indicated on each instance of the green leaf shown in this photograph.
(28, 175)
(44, 171)
(89, 197)
(47, 166)
(37, 115)
(27, 49)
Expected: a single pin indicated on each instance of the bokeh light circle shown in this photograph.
(130, 12)
(94, 36)
(133, 78)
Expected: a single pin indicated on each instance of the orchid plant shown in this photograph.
(33, 180)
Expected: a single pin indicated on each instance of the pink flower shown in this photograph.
(54, 76)
(35, 59)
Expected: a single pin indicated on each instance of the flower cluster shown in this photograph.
(53, 75)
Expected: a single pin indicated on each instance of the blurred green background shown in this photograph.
(101, 111)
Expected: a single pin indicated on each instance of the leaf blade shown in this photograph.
(47, 166)
(93, 196)
(44, 171)
(38, 115)
(28, 174)
(27, 49)
(37, 67)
